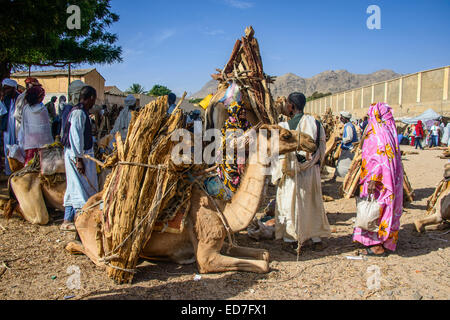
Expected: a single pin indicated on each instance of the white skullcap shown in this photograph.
(346, 115)
(9, 83)
(130, 101)
(76, 86)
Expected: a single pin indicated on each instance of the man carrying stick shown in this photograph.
(300, 213)
(81, 174)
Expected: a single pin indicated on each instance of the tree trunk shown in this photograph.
(5, 70)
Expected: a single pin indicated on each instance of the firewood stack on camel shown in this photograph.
(152, 207)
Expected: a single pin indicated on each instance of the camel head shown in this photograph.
(291, 140)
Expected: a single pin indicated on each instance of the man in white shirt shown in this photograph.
(435, 129)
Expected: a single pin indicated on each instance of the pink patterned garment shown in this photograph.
(381, 162)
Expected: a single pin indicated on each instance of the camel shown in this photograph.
(203, 237)
(440, 212)
(35, 196)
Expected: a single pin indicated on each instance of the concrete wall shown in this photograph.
(408, 96)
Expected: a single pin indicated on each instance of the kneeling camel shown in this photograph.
(204, 236)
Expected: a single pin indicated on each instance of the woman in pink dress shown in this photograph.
(382, 177)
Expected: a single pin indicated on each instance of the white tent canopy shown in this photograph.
(427, 116)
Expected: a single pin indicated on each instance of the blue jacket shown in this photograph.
(349, 145)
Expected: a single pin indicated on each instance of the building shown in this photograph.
(114, 96)
(56, 82)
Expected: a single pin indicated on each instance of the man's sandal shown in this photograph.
(69, 227)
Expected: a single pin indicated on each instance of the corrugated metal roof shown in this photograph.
(51, 73)
(113, 90)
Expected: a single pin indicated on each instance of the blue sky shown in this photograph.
(180, 43)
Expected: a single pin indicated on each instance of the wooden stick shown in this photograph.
(88, 157)
(180, 102)
(354, 185)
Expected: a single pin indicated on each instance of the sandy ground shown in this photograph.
(37, 264)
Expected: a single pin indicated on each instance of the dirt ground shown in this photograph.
(37, 264)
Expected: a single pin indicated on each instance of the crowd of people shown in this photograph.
(77, 124)
(28, 125)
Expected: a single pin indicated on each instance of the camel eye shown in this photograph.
(286, 136)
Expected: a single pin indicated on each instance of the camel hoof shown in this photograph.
(75, 248)
(265, 256)
(419, 227)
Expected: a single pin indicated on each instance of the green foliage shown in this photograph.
(36, 33)
(136, 88)
(317, 95)
(158, 91)
(195, 101)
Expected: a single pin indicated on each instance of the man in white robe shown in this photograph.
(300, 213)
(81, 174)
(123, 121)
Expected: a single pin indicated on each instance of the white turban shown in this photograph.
(76, 86)
(346, 115)
(130, 101)
(75, 90)
(9, 83)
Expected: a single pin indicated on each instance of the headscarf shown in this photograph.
(74, 91)
(382, 162)
(130, 101)
(346, 115)
(32, 81)
(419, 129)
(172, 98)
(381, 157)
(298, 99)
(35, 95)
(9, 83)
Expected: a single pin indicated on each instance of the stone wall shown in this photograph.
(408, 96)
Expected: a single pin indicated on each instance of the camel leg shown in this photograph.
(421, 224)
(259, 254)
(211, 261)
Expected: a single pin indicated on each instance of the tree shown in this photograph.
(136, 88)
(317, 95)
(37, 33)
(158, 91)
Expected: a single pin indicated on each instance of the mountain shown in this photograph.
(328, 81)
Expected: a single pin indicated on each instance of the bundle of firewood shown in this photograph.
(333, 147)
(140, 187)
(442, 186)
(329, 123)
(351, 181)
(246, 69)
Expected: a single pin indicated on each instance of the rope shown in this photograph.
(82, 211)
(299, 245)
(110, 256)
(221, 217)
(159, 167)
